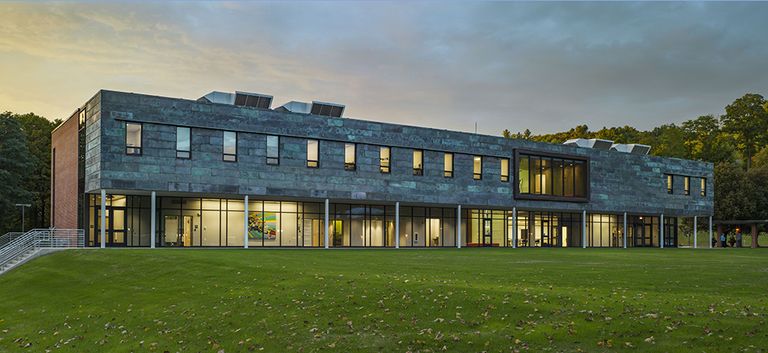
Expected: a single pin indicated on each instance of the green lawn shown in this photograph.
(387, 300)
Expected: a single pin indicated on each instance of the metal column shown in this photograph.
(103, 218)
(661, 231)
(625, 230)
(327, 225)
(695, 232)
(153, 221)
(397, 225)
(514, 227)
(710, 232)
(584, 229)
(458, 227)
(245, 224)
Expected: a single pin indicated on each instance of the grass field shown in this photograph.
(390, 301)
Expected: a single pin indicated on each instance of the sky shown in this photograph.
(541, 66)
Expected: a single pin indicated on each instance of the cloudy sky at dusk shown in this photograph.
(543, 66)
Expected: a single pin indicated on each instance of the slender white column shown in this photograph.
(245, 224)
(103, 218)
(153, 220)
(710, 232)
(584, 229)
(514, 227)
(458, 227)
(695, 232)
(327, 225)
(625, 230)
(661, 231)
(397, 225)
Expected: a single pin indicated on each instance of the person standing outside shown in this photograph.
(738, 237)
(722, 240)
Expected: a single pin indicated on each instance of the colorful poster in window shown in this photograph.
(262, 225)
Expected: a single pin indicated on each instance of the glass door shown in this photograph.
(117, 227)
(487, 232)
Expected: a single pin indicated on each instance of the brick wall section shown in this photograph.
(64, 174)
(619, 182)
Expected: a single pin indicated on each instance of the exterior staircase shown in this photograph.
(17, 248)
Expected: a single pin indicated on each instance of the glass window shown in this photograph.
(182, 142)
(133, 138)
(230, 146)
(568, 179)
(349, 156)
(384, 155)
(477, 167)
(687, 185)
(448, 165)
(557, 177)
(523, 175)
(313, 153)
(536, 174)
(670, 183)
(418, 162)
(580, 179)
(273, 149)
(546, 176)
(703, 186)
(504, 169)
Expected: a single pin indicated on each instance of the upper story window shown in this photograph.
(418, 162)
(670, 183)
(349, 156)
(477, 168)
(505, 169)
(273, 149)
(313, 152)
(703, 187)
(133, 138)
(230, 146)
(687, 185)
(448, 165)
(551, 177)
(384, 158)
(183, 137)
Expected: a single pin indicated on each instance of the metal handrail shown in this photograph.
(38, 239)
(7, 237)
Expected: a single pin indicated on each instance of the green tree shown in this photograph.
(38, 179)
(747, 119)
(15, 163)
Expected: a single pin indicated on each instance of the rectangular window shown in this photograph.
(703, 186)
(687, 185)
(418, 162)
(554, 177)
(313, 153)
(524, 175)
(448, 165)
(477, 167)
(133, 138)
(230, 146)
(504, 169)
(349, 156)
(273, 149)
(384, 155)
(183, 138)
(670, 183)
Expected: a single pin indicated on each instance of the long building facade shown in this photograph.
(226, 170)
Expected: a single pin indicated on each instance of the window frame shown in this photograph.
(224, 154)
(180, 154)
(388, 168)
(138, 151)
(316, 162)
(519, 154)
(475, 174)
(669, 181)
(448, 173)
(350, 166)
(703, 191)
(504, 177)
(687, 185)
(272, 160)
(418, 171)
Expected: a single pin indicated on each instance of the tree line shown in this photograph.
(25, 170)
(736, 142)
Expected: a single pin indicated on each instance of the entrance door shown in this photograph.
(338, 237)
(546, 233)
(641, 239)
(487, 232)
(115, 226)
(186, 231)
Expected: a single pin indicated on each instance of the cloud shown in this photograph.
(542, 66)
